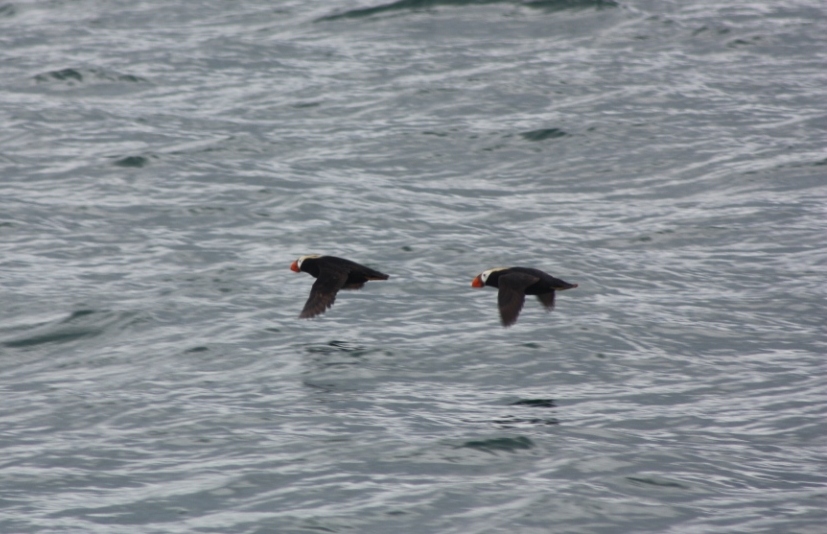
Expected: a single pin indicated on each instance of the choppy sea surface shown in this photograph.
(162, 163)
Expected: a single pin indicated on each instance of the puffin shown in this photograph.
(331, 274)
(515, 283)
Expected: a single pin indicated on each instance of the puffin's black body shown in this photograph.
(331, 274)
(515, 283)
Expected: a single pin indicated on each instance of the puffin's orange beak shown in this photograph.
(295, 266)
(477, 282)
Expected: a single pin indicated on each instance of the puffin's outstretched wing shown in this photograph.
(323, 293)
(512, 295)
(547, 300)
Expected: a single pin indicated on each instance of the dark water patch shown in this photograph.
(207, 210)
(335, 346)
(328, 387)
(419, 5)
(511, 421)
(656, 482)
(542, 135)
(704, 29)
(535, 403)
(402, 5)
(318, 528)
(7, 10)
(493, 148)
(302, 105)
(71, 77)
(62, 335)
(135, 162)
(495, 445)
(196, 349)
(65, 75)
(738, 43)
(79, 324)
(559, 5)
(77, 315)
(123, 515)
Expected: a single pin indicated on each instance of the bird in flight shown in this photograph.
(331, 274)
(515, 283)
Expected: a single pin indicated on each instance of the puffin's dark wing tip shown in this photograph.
(511, 296)
(323, 292)
(547, 300)
(510, 302)
(317, 304)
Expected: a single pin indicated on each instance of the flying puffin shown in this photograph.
(331, 274)
(517, 282)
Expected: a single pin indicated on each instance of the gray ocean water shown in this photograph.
(162, 163)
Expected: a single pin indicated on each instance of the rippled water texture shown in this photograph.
(162, 163)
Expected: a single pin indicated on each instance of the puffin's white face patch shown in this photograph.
(300, 260)
(484, 276)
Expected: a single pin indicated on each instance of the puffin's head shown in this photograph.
(482, 278)
(296, 266)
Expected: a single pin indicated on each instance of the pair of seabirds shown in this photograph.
(332, 274)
